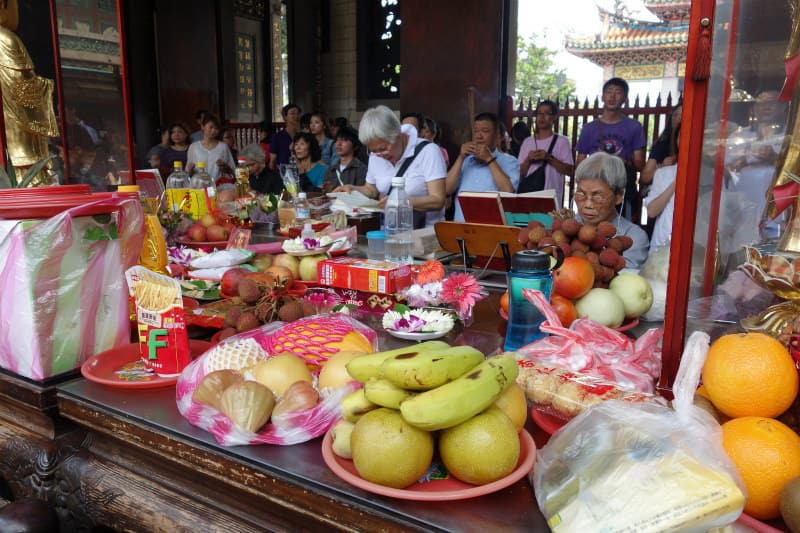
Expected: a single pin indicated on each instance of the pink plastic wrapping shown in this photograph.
(290, 428)
(593, 349)
(64, 297)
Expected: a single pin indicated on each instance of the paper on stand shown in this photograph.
(351, 201)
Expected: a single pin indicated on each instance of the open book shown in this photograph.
(505, 208)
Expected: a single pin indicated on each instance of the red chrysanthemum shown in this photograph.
(461, 291)
(430, 271)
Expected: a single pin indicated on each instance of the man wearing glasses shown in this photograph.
(599, 188)
(545, 157)
(617, 134)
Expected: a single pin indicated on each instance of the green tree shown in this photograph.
(537, 76)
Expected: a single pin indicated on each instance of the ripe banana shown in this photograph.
(356, 404)
(430, 368)
(340, 433)
(463, 398)
(385, 393)
(368, 366)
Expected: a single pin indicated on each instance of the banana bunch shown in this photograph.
(432, 384)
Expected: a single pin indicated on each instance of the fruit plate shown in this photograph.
(437, 489)
(206, 246)
(629, 323)
(122, 368)
(310, 251)
(418, 336)
(547, 422)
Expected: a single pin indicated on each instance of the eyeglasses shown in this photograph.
(595, 197)
(382, 151)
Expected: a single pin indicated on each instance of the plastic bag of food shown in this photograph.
(313, 338)
(596, 350)
(565, 394)
(623, 467)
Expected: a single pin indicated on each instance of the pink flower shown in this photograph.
(461, 291)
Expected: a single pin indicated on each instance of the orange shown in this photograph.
(767, 455)
(504, 302)
(564, 308)
(573, 278)
(750, 374)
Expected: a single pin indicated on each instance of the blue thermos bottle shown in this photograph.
(530, 269)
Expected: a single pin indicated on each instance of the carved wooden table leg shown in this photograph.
(28, 515)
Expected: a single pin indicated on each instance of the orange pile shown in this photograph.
(752, 378)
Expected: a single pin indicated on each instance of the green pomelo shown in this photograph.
(389, 451)
(483, 449)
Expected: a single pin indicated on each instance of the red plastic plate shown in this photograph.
(435, 490)
(121, 368)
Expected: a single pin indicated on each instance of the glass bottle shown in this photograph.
(308, 231)
(530, 269)
(399, 224)
(242, 182)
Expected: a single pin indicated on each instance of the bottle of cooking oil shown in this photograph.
(242, 183)
(154, 247)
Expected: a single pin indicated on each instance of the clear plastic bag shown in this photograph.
(640, 467)
(63, 284)
(290, 428)
(589, 347)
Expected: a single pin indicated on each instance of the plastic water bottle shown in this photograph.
(178, 179)
(302, 209)
(399, 222)
(202, 179)
(530, 269)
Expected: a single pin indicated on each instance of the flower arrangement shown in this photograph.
(458, 291)
(401, 318)
(262, 208)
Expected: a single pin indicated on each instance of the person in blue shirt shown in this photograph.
(480, 166)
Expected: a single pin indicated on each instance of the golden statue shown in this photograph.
(27, 98)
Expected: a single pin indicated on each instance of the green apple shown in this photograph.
(634, 291)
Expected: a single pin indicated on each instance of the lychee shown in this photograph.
(248, 291)
(608, 257)
(606, 229)
(587, 233)
(246, 322)
(570, 227)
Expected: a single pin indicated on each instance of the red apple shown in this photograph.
(229, 284)
(215, 232)
(196, 232)
(288, 261)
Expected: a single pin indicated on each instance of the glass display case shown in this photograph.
(733, 255)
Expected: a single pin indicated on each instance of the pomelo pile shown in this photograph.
(751, 379)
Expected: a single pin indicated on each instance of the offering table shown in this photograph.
(128, 461)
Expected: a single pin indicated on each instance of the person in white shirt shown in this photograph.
(216, 154)
(390, 146)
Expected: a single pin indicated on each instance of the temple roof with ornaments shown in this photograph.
(628, 38)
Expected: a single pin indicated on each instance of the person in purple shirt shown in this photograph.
(280, 143)
(615, 133)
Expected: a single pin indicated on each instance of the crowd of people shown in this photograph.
(612, 178)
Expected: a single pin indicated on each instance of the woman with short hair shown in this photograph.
(307, 157)
(600, 181)
(393, 147)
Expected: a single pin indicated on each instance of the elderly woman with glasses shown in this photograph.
(599, 188)
(396, 151)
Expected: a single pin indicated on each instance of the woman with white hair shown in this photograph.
(397, 150)
(263, 179)
(600, 181)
